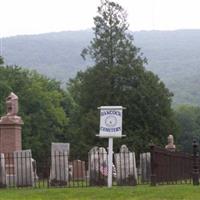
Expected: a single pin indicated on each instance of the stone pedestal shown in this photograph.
(10, 134)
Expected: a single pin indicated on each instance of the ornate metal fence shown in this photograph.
(21, 170)
(159, 166)
(170, 167)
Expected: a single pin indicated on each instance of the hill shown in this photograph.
(172, 55)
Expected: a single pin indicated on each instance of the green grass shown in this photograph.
(172, 192)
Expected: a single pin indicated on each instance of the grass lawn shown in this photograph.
(179, 192)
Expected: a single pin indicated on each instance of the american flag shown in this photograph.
(104, 169)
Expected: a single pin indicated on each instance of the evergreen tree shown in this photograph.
(112, 44)
(119, 78)
(1, 60)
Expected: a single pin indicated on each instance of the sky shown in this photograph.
(19, 17)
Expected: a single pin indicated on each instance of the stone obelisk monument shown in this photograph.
(10, 127)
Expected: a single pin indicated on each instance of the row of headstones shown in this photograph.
(21, 170)
(124, 167)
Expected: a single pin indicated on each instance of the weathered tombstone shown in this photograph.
(59, 175)
(170, 146)
(145, 166)
(34, 170)
(125, 167)
(23, 168)
(2, 171)
(98, 166)
(78, 172)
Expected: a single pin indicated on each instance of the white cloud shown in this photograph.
(37, 16)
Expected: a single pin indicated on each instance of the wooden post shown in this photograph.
(110, 161)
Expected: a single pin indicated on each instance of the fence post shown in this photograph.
(195, 172)
(153, 175)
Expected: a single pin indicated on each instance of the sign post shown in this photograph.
(110, 127)
(110, 160)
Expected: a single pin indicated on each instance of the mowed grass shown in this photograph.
(172, 192)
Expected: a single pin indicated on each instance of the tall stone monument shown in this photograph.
(10, 127)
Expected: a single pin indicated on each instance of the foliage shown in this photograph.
(1, 60)
(41, 109)
(119, 78)
(172, 55)
(188, 120)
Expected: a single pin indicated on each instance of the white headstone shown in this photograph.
(59, 174)
(145, 166)
(98, 166)
(23, 168)
(2, 171)
(126, 167)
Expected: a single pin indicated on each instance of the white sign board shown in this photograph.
(110, 121)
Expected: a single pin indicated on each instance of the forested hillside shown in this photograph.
(173, 55)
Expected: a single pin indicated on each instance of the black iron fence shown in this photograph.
(170, 167)
(158, 166)
(19, 169)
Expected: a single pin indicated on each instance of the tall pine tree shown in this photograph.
(112, 44)
(119, 78)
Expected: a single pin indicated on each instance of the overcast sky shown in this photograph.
(40, 16)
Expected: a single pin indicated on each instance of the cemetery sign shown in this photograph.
(110, 127)
(110, 121)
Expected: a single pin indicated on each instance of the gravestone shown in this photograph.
(2, 171)
(23, 168)
(170, 146)
(126, 171)
(98, 166)
(145, 166)
(59, 175)
(34, 170)
(78, 170)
